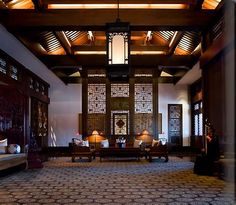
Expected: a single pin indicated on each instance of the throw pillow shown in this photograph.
(155, 143)
(3, 142)
(137, 143)
(14, 149)
(105, 143)
(3, 149)
(85, 143)
(77, 141)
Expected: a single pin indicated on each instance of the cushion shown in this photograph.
(85, 143)
(14, 149)
(105, 143)
(120, 140)
(3, 142)
(137, 143)
(78, 142)
(3, 149)
(155, 143)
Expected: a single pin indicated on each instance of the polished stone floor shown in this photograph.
(115, 182)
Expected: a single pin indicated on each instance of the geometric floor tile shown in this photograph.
(115, 182)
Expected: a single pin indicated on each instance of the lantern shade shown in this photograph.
(118, 49)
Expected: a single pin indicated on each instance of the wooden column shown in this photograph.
(84, 106)
(131, 106)
(108, 108)
(155, 105)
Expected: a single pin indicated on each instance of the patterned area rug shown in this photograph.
(115, 182)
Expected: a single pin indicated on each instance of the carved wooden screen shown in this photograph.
(96, 98)
(175, 124)
(143, 107)
(39, 121)
(119, 90)
(3, 65)
(12, 109)
(120, 123)
(120, 118)
(124, 114)
(96, 108)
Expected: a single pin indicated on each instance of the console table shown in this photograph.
(120, 152)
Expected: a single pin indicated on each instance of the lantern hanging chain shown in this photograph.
(118, 8)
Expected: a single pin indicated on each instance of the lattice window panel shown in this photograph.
(13, 72)
(120, 124)
(143, 122)
(96, 98)
(3, 66)
(119, 90)
(143, 98)
(120, 112)
(175, 123)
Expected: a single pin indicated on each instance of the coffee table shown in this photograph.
(127, 152)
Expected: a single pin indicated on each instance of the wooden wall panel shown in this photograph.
(214, 97)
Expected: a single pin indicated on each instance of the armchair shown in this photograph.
(81, 151)
(160, 150)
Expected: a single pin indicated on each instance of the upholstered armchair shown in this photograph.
(80, 148)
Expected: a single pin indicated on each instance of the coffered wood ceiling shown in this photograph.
(165, 34)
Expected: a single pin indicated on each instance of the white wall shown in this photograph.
(66, 104)
(175, 94)
(65, 101)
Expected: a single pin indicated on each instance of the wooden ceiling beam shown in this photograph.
(132, 48)
(143, 61)
(175, 41)
(38, 5)
(197, 5)
(96, 19)
(63, 41)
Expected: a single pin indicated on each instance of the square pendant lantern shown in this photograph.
(118, 49)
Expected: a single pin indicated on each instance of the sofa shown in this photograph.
(12, 160)
(11, 155)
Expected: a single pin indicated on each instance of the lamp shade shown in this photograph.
(145, 137)
(95, 137)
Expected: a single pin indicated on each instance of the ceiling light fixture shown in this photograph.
(118, 47)
(121, 6)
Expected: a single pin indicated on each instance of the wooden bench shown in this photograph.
(127, 152)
